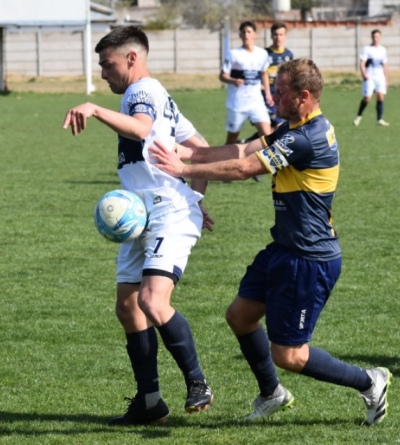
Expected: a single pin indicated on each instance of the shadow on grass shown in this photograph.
(205, 422)
(14, 424)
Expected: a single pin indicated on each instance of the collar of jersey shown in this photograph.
(277, 50)
(308, 118)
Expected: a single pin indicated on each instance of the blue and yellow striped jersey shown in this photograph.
(304, 185)
(276, 57)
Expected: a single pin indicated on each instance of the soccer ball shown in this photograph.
(120, 216)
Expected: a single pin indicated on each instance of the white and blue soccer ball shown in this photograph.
(120, 216)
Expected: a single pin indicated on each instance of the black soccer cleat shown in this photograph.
(199, 396)
(137, 414)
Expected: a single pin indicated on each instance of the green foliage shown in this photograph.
(304, 5)
(167, 16)
(64, 370)
(200, 13)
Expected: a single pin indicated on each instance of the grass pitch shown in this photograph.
(63, 368)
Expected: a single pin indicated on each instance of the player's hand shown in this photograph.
(208, 222)
(239, 82)
(168, 161)
(269, 99)
(76, 117)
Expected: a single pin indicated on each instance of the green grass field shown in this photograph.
(63, 367)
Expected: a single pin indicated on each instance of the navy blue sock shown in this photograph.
(361, 108)
(322, 366)
(178, 339)
(142, 349)
(379, 109)
(256, 350)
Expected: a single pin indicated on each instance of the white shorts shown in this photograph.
(236, 119)
(163, 248)
(374, 84)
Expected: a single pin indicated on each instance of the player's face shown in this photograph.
(279, 37)
(376, 38)
(115, 69)
(286, 101)
(248, 35)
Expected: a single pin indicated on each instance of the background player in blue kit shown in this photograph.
(278, 54)
(289, 281)
(375, 77)
(150, 266)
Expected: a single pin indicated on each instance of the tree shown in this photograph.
(302, 4)
(206, 13)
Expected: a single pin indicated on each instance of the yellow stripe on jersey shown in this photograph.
(311, 180)
(306, 119)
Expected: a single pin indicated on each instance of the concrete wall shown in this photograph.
(41, 52)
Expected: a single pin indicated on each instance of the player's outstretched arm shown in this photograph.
(133, 127)
(232, 169)
(214, 154)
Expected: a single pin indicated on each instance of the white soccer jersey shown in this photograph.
(374, 57)
(243, 64)
(160, 192)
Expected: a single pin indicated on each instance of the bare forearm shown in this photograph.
(217, 172)
(220, 153)
(199, 185)
(233, 169)
(122, 124)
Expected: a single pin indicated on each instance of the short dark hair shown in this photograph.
(121, 36)
(375, 31)
(247, 24)
(277, 25)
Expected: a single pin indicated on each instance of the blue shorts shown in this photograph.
(293, 289)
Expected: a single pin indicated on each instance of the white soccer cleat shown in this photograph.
(383, 123)
(281, 399)
(375, 398)
(357, 121)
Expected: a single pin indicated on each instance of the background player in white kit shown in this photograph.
(244, 70)
(149, 267)
(374, 71)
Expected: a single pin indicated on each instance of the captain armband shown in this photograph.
(272, 157)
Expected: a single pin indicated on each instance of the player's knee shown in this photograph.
(236, 321)
(233, 319)
(145, 306)
(282, 361)
(123, 312)
(290, 359)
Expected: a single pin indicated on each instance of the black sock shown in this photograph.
(379, 109)
(362, 106)
(256, 350)
(322, 366)
(142, 349)
(178, 339)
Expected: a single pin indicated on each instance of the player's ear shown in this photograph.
(304, 96)
(132, 55)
